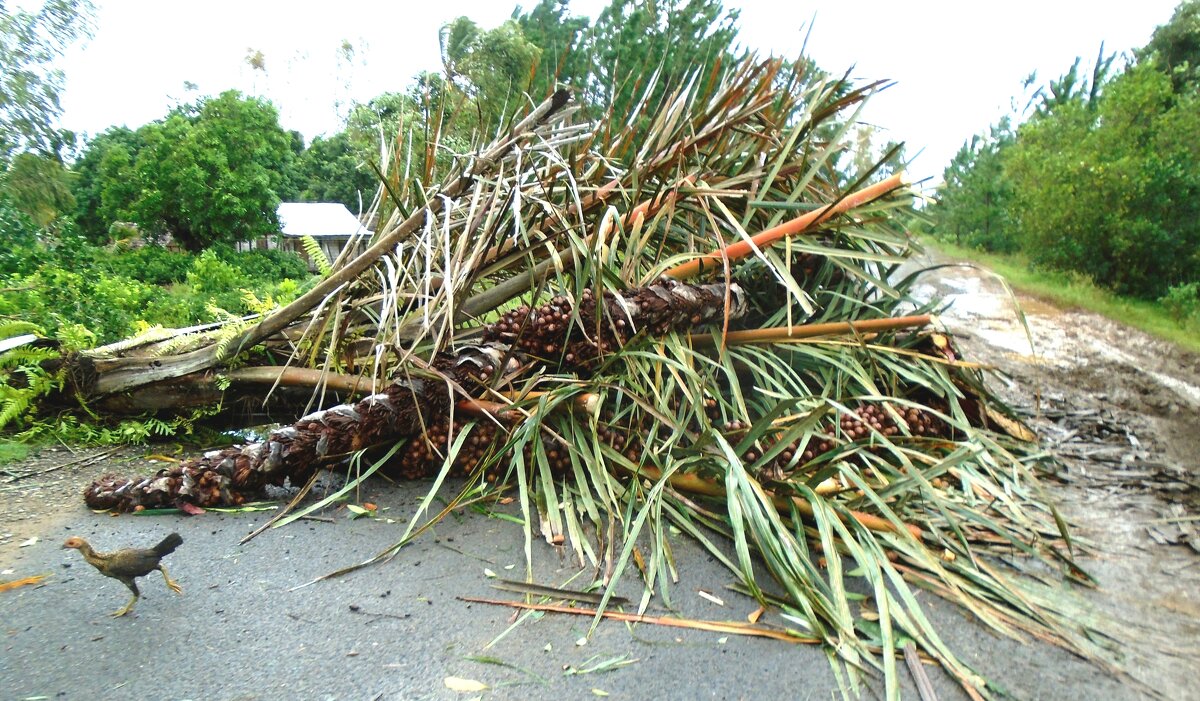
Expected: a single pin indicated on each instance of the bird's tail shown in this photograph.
(168, 545)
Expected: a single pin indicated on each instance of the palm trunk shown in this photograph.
(413, 405)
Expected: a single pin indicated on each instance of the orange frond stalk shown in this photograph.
(727, 627)
(696, 484)
(741, 249)
(783, 334)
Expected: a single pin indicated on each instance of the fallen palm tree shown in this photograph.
(684, 317)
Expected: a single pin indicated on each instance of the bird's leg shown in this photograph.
(128, 607)
(172, 585)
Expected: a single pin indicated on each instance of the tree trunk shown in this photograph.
(522, 340)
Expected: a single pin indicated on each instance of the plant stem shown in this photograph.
(783, 334)
(741, 249)
(696, 484)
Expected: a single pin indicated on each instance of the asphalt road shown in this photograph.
(398, 631)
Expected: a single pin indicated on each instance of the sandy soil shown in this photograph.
(1121, 409)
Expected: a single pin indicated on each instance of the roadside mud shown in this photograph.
(1121, 411)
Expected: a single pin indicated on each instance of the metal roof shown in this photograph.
(318, 219)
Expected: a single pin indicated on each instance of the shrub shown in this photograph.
(54, 297)
(153, 265)
(1182, 302)
(271, 265)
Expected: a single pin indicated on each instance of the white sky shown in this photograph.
(957, 63)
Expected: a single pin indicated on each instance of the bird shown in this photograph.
(128, 564)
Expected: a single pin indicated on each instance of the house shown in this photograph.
(330, 224)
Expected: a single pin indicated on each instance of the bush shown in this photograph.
(216, 281)
(259, 267)
(1182, 302)
(72, 288)
(22, 250)
(1112, 190)
(54, 297)
(153, 265)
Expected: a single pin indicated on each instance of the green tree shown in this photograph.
(30, 43)
(105, 183)
(976, 196)
(634, 39)
(39, 186)
(331, 170)
(1175, 46)
(1114, 192)
(493, 67)
(212, 172)
(1073, 86)
(414, 135)
(562, 38)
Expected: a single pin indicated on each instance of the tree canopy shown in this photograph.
(209, 172)
(1103, 176)
(332, 170)
(30, 41)
(1176, 44)
(1113, 193)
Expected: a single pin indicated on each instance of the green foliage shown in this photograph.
(1175, 46)
(975, 200)
(1074, 88)
(1102, 180)
(106, 184)
(259, 266)
(207, 173)
(1182, 302)
(216, 280)
(30, 42)
(332, 170)
(317, 255)
(39, 186)
(23, 250)
(632, 40)
(23, 380)
(54, 296)
(141, 431)
(151, 264)
(1114, 193)
(210, 173)
(564, 57)
(80, 293)
(492, 66)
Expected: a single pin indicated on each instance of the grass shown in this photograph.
(12, 451)
(1074, 291)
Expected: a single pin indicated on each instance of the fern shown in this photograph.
(317, 255)
(229, 333)
(25, 357)
(13, 407)
(24, 380)
(10, 328)
(179, 344)
(69, 429)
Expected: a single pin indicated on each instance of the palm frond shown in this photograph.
(555, 264)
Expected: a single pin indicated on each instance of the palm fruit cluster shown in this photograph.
(423, 456)
(541, 332)
(559, 332)
(861, 424)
